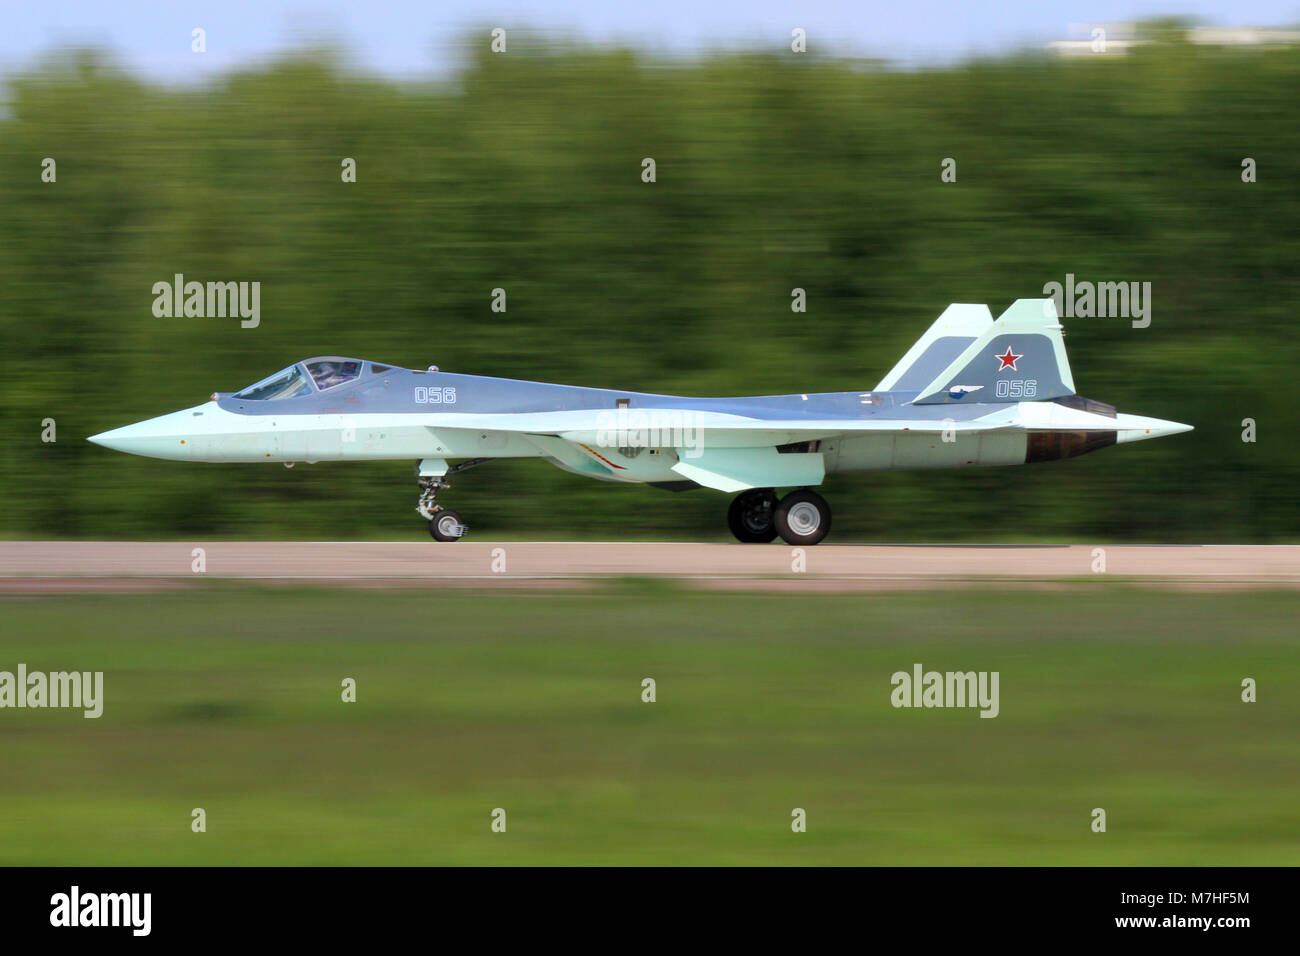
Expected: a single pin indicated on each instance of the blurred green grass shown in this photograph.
(228, 698)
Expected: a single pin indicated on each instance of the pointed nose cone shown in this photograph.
(1140, 428)
(163, 437)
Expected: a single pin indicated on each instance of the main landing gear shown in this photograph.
(751, 516)
(444, 524)
(802, 517)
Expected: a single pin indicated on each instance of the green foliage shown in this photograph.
(773, 172)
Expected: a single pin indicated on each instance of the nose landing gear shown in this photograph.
(444, 524)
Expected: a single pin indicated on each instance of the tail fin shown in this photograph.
(1019, 357)
(945, 340)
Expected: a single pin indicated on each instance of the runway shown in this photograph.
(70, 566)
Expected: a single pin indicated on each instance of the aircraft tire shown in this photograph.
(803, 517)
(445, 525)
(743, 517)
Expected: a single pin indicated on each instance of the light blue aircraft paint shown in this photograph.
(971, 391)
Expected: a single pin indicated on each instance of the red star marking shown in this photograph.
(1008, 360)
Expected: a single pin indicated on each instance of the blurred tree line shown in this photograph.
(773, 172)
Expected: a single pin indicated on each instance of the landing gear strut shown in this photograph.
(444, 524)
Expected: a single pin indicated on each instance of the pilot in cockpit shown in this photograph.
(327, 375)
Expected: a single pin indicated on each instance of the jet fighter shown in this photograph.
(972, 391)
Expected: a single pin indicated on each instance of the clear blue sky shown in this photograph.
(401, 37)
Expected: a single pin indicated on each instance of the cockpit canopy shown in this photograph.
(304, 378)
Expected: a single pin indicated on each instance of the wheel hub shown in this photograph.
(804, 518)
(758, 517)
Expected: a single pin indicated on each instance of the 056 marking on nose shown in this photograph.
(435, 396)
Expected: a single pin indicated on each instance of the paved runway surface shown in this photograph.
(38, 566)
